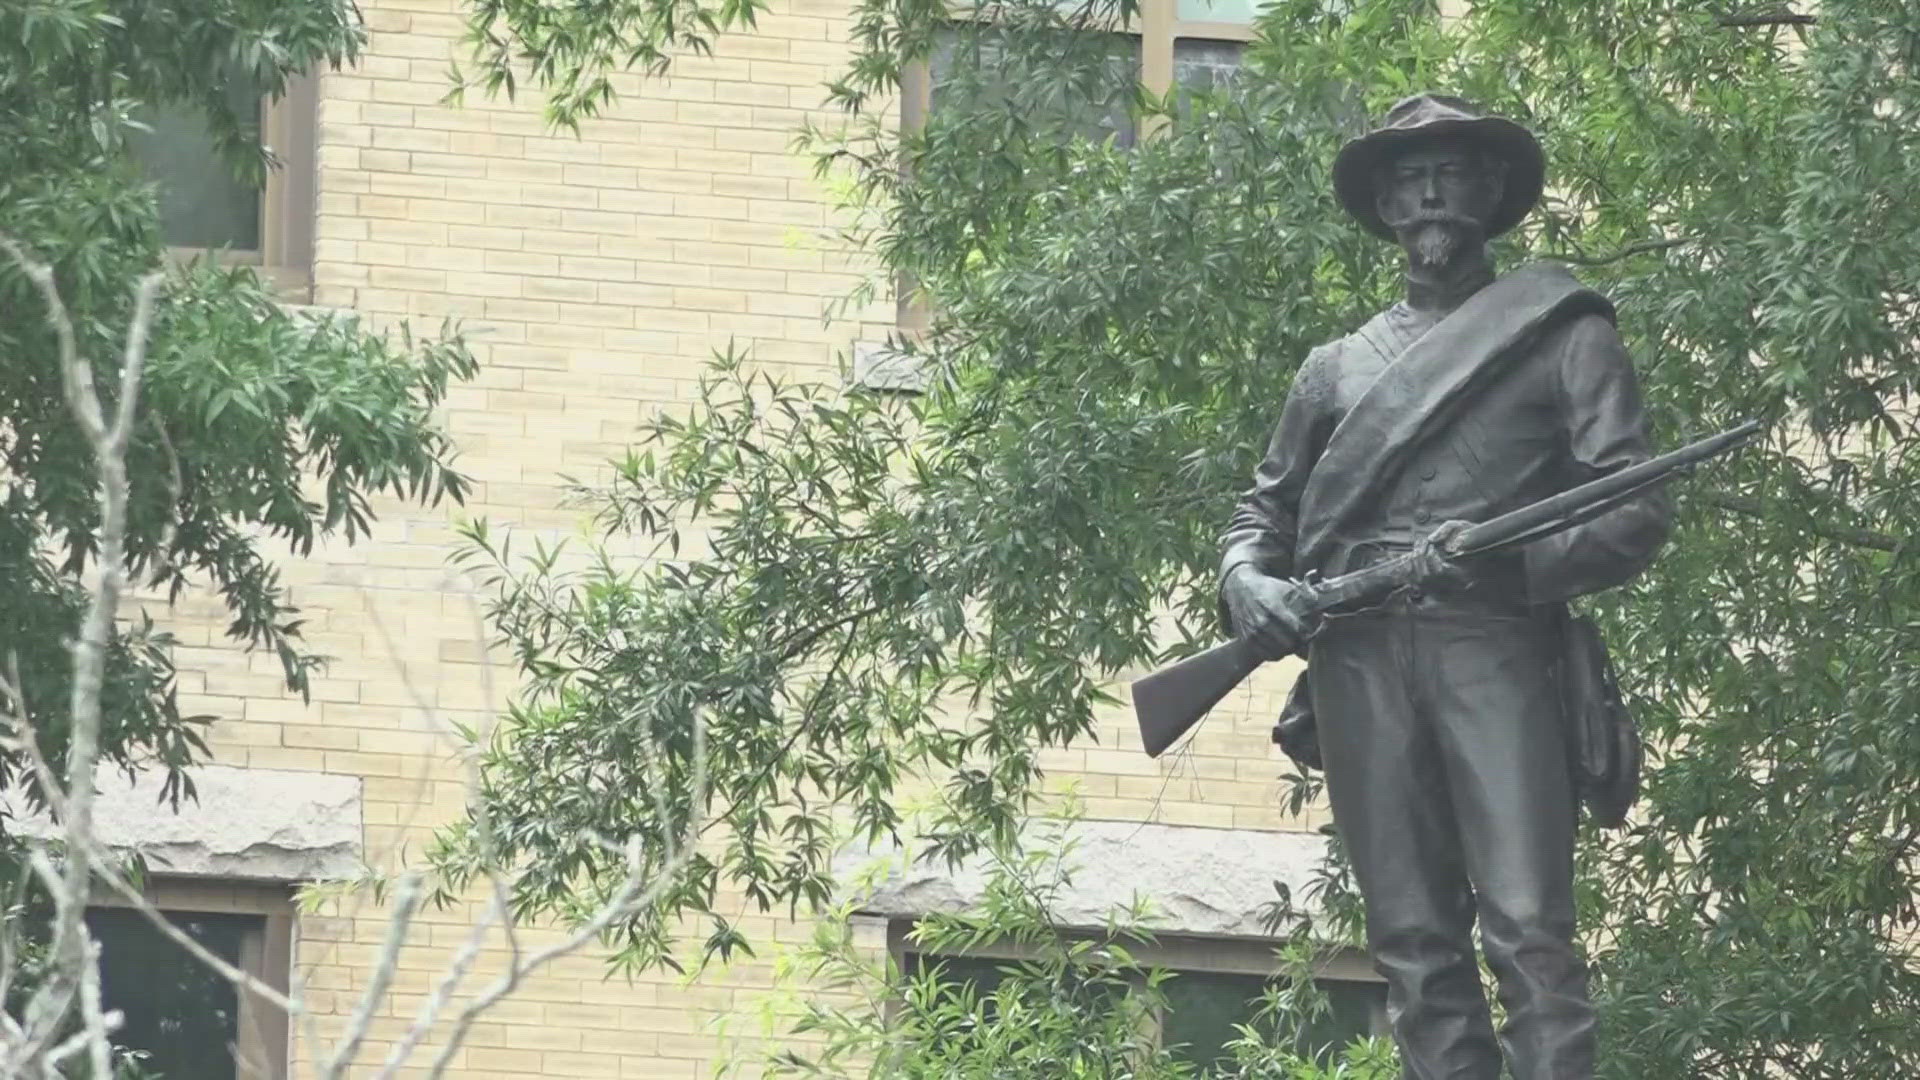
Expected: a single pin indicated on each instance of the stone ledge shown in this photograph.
(1201, 881)
(876, 366)
(258, 824)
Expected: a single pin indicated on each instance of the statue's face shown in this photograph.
(1438, 198)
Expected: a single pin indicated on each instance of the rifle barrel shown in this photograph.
(1493, 533)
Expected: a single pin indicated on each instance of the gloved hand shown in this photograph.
(1436, 565)
(1270, 611)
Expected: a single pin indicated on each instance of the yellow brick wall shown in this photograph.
(595, 274)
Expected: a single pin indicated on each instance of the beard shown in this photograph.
(1434, 244)
(1434, 241)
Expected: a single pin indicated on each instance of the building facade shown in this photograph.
(595, 275)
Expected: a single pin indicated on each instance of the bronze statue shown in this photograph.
(1437, 709)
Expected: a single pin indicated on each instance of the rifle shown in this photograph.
(1173, 699)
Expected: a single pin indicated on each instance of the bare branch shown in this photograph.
(104, 869)
(73, 974)
(482, 812)
(443, 993)
(499, 909)
(50, 1003)
(133, 363)
(69, 351)
(406, 902)
(24, 742)
(9, 962)
(21, 737)
(98, 1024)
(70, 963)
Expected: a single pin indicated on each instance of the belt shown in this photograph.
(1499, 585)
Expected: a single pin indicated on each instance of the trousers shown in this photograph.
(1447, 770)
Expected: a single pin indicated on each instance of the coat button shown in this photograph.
(1422, 516)
(1429, 474)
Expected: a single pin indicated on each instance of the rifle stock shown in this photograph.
(1173, 699)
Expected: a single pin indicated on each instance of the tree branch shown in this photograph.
(406, 902)
(449, 982)
(634, 894)
(99, 1023)
(1865, 538)
(806, 715)
(1776, 15)
(72, 962)
(1639, 248)
(23, 740)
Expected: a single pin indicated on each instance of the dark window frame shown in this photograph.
(262, 1039)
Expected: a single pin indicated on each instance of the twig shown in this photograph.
(483, 812)
(806, 715)
(29, 1048)
(49, 1004)
(15, 705)
(406, 901)
(25, 743)
(499, 909)
(176, 488)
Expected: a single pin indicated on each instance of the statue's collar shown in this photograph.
(1435, 291)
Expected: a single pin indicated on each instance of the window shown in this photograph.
(1217, 984)
(205, 209)
(1095, 113)
(1206, 64)
(1202, 46)
(1204, 1006)
(1194, 44)
(190, 1022)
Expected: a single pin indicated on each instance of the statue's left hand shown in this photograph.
(1436, 565)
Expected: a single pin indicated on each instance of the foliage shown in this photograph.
(572, 50)
(1079, 1006)
(259, 424)
(866, 590)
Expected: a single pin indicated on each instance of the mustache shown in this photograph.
(1435, 217)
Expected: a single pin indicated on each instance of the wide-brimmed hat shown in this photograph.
(1423, 118)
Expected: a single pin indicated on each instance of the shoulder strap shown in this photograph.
(1419, 394)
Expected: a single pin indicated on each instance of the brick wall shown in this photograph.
(595, 274)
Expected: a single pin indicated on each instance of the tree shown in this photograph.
(255, 424)
(244, 400)
(53, 1015)
(874, 589)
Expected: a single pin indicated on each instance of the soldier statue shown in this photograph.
(1437, 711)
